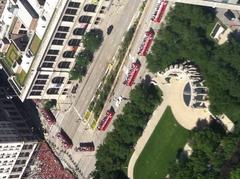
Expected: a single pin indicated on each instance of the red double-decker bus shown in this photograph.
(132, 74)
(106, 120)
(146, 44)
(161, 7)
(65, 139)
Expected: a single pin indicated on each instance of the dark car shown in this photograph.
(109, 29)
(229, 15)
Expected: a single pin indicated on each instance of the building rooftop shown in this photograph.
(29, 8)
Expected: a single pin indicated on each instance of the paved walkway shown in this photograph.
(186, 116)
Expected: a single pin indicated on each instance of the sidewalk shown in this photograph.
(152, 123)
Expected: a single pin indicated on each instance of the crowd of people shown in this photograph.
(49, 166)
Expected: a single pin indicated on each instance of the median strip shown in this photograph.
(110, 79)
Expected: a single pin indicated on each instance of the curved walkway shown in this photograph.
(187, 117)
(152, 123)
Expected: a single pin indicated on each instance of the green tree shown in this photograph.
(93, 39)
(113, 155)
(145, 96)
(235, 174)
(84, 57)
(49, 104)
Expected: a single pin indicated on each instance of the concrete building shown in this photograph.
(17, 143)
(38, 53)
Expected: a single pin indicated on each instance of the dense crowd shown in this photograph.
(49, 166)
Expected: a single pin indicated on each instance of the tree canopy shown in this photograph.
(186, 36)
(83, 59)
(93, 39)
(113, 155)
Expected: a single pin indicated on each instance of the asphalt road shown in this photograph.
(117, 17)
(120, 17)
(88, 161)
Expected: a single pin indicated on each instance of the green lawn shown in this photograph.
(35, 44)
(20, 77)
(12, 55)
(161, 149)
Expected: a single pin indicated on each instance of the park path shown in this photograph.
(152, 123)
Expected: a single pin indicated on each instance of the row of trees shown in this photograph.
(186, 36)
(92, 40)
(104, 92)
(83, 59)
(114, 154)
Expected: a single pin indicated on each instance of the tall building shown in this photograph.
(40, 41)
(17, 143)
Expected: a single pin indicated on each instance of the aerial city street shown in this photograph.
(118, 89)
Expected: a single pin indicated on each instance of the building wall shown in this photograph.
(59, 57)
(60, 27)
(17, 142)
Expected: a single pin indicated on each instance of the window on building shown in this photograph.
(74, 42)
(22, 32)
(60, 35)
(47, 65)
(64, 65)
(41, 76)
(68, 18)
(37, 88)
(63, 28)
(57, 42)
(74, 4)
(6, 101)
(41, 82)
(20, 125)
(69, 54)
(79, 31)
(53, 91)
(50, 58)
(58, 79)
(85, 19)
(27, 146)
(53, 52)
(90, 8)
(12, 113)
(71, 11)
(35, 93)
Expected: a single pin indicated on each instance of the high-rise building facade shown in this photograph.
(17, 142)
(40, 41)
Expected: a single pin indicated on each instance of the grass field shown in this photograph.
(20, 77)
(161, 149)
(12, 55)
(35, 44)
